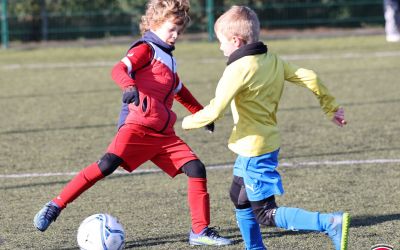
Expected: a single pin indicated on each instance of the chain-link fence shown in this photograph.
(35, 20)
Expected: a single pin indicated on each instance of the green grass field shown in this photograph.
(59, 109)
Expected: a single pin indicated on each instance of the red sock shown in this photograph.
(86, 178)
(199, 203)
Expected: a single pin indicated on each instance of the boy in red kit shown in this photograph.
(147, 75)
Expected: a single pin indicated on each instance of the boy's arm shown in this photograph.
(229, 84)
(307, 78)
(185, 97)
(135, 59)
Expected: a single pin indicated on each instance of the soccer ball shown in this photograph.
(101, 231)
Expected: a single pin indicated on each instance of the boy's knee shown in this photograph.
(265, 210)
(238, 193)
(194, 169)
(109, 163)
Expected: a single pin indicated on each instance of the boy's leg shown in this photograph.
(199, 206)
(87, 178)
(129, 148)
(247, 172)
(176, 157)
(246, 220)
(299, 219)
(198, 197)
(336, 225)
(199, 203)
(262, 182)
(250, 229)
(80, 183)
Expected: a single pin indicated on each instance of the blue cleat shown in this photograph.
(46, 216)
(209, 237)
(338, 231)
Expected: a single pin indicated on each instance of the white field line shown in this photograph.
(19, 66)
(215, 167)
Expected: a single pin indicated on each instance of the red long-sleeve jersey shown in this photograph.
(153, 72)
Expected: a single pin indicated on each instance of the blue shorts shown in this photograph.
(259, 175)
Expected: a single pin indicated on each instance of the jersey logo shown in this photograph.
(250, 187)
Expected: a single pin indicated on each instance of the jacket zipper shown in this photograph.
(166, 97)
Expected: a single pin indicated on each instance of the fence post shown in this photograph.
(210, 18)
(4, 24)
(44, 20)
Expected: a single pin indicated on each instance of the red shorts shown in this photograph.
(135, 147)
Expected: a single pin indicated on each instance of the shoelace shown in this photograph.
(333, 228)
(51, 212)
(212, 232)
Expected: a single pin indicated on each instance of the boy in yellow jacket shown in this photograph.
(252, 84)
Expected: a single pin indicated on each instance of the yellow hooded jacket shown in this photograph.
(252, 84)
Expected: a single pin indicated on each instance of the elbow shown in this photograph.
(115, 72)
(214, 116)
(312, 75)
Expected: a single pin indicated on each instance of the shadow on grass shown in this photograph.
(357, 221)
(231, 233)
(179, 238)
(156, 241)
(234, 233)
(369, 220)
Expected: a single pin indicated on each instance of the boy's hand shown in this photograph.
(210, 127)
(131, 95)
(338, 118)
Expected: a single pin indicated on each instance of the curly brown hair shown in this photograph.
(158, 11)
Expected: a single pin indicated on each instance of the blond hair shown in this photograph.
(240, 21)
(159, 11)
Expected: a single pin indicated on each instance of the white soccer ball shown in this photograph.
(99, 232)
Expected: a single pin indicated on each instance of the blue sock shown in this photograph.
(299, 219)
(250, 229)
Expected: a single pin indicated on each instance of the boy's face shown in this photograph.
(168, 31)
(228, 46)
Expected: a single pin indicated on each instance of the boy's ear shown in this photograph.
(238, 42)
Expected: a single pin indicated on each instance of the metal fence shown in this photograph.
(60, 25)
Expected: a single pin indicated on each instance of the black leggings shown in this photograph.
(264, 210)
(110, 162)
